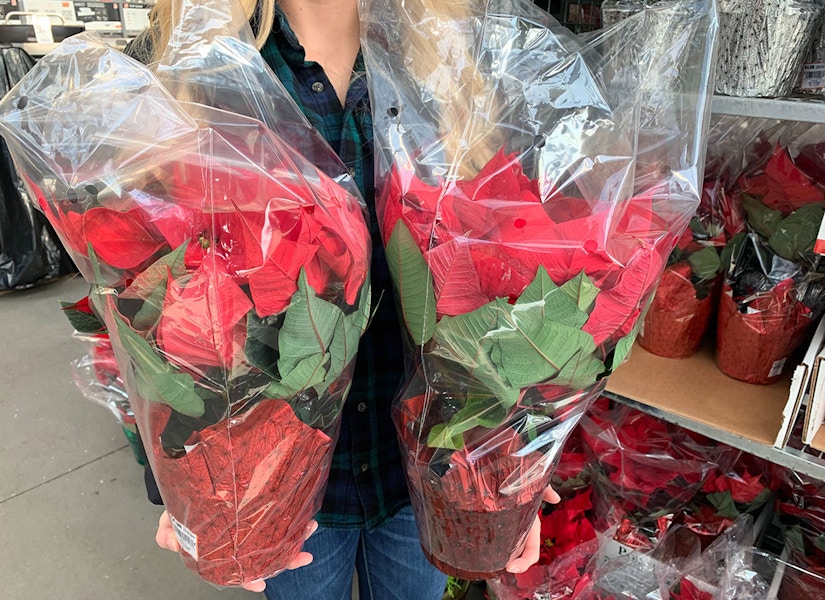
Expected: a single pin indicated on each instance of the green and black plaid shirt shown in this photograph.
(366, 482)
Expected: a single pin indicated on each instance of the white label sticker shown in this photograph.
(776, 369)
(188, 540)
(813, 76)
(42, 29)
(613, 549)
(819, 245)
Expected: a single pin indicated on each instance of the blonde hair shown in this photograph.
(439, 35)
(260, 13)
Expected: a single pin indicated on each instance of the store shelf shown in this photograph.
(809, 110)
(694, 394)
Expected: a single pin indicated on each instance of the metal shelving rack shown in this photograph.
(801, 461)
(807, 110)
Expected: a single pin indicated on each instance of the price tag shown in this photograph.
(813, 77)
(42, 29)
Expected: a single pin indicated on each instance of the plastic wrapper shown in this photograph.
(97, 376)
(568, 536)
(531, 186)
(767, 307)
(727, 495)
(230, 271)
(614, 11)
(30, 252)
(800, 507)
(762, 44)
(645, 471)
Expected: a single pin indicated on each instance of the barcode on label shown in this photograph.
(188, 541)
(813, 76)
(777, 366)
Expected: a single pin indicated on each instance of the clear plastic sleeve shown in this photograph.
(645, 471)
(531, 186)
(230, 270)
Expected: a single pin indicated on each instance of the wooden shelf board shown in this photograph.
(696, 389)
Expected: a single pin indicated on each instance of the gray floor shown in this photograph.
(74, 519)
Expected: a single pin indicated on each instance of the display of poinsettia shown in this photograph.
(781, 184)
(645, 472)
(526, 229)
(232, 276)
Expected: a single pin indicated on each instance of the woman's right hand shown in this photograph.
(165, 538)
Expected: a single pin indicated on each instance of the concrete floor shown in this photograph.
(74, 520)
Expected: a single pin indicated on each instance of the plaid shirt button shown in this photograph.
(317, 87)
(362, 407)
(365, 467)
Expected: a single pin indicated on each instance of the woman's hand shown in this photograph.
(530, 554)
(165, 538)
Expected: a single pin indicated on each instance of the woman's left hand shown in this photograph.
(530, 554)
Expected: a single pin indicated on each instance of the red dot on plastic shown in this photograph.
(591, 246)
(519, 223)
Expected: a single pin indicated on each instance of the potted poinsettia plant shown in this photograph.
(525, 236)
(772, 294)
(232, 276)
(681, 310)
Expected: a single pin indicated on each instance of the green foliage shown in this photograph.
(156, 380)
(705, 263)
(763, 220)
(413, 283)
(795, 235)
(507, 348)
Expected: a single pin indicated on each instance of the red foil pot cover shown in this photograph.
(677, 320)
(242, 496)
(755, 346)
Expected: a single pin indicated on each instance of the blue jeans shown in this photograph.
(388, 560)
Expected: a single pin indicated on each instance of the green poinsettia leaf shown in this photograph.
(441, 436)
(724, 504)
(305, 374)
(261, 346)
(483, 411)
(543, 298)
(795, 539)
(763, 220)
(150, 287)
(705, 263)
(819, 542)
(156, 379)
(795, 235)
(82, 321)
(581, 289)
(309, 324)
(730, 250)
(345, 338)
(467, 340)
(413, 284)
(581, 371)
(698, 228)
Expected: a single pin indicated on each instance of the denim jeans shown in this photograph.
(388, 560)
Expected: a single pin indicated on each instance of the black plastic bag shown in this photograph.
(30, 251)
